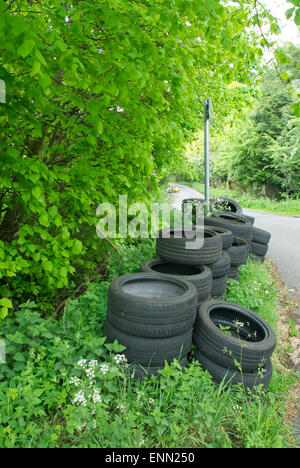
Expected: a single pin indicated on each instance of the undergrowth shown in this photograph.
(64, 386)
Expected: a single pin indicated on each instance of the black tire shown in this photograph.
(199, 276)
(260, 236)
(225, 349)
(251, 219)
(247, 218)
(175, 250)
(234, 273)
(152, 305)
(137, 371)
(227, 236)
(227, 376)
(259, 249)
(188, 201)
(219, 286)
(222, 266)
(228, 205)
(239, 227)
(151, 352)
(238, 252)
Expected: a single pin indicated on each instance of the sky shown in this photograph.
(289, 29)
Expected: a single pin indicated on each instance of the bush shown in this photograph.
(100, 99)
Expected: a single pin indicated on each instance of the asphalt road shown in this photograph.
(284, 246)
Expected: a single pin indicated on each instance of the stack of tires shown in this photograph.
(157, 313)
(260, 244)
(238, 254)
(233, 344)
(199, 276)
(209, 257)
(153, 316)
(239, 225)
(258, 240)
(220, 272)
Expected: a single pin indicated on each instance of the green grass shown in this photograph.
(182, 408)
(288, 207)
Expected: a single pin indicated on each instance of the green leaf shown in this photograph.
(99, 126)
(19, 357)
(44, 220)
(26, 48)
(48, 266)
(36, 192)
(285, 76)
(289, 13)
(6, 303)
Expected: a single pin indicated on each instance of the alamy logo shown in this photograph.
(142, 221)
(2, 352)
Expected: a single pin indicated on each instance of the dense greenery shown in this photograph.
(262, 152)
(101, 96)
(50, 398)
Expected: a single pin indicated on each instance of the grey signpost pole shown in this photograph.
(208, 114)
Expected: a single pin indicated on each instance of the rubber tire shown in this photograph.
(260, 236)
(148, 317)
(224, 349)
(151, 352)
(259, 249)
(191, 200)
(200, 276)
(228, 376)
(235, 207)
(219, 286)
(174, 250)
(247, 218)
(138, 372)
(226, 234)
(234, 273)
(240, 228)
(222, 266)
(238, 252)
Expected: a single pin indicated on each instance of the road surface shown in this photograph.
(284, 247)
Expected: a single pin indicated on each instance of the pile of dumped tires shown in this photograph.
(158, 313)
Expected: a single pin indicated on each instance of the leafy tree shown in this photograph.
(101, 96)
(265, 148)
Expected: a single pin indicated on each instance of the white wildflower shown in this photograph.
(90, 373)
(75, 381)
(239, 324)
(81, 428)
(82, 363)
(104, 369)
(121, 407)
(93, 363)
(80, 399)
(120, 359)
(96, 396)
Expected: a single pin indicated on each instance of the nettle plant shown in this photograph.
(100, 97)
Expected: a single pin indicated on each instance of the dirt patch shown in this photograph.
(287, 353)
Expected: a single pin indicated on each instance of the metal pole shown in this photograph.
(206, 145)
